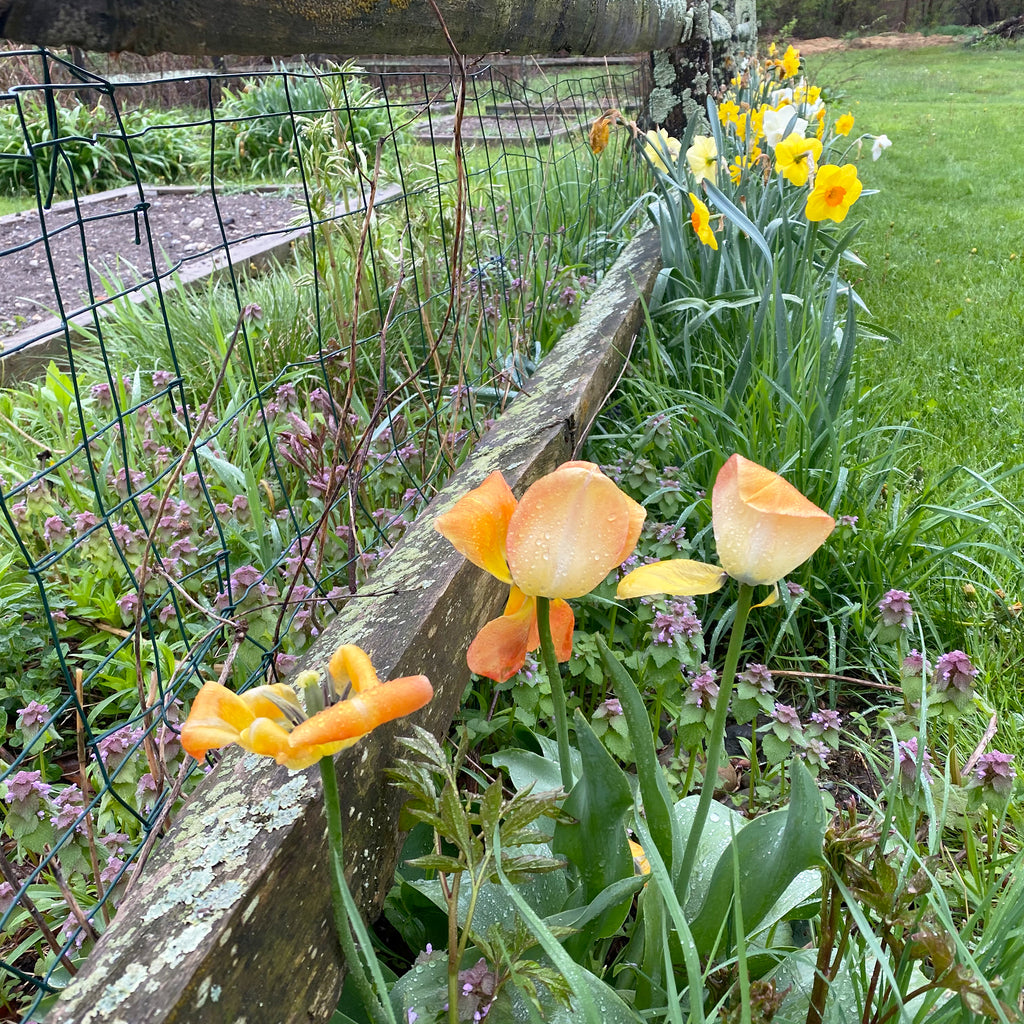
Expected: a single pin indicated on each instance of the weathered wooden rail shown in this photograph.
(231, 919)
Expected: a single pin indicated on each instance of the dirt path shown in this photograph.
(886, 41)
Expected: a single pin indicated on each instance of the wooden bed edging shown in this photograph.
(230, 922)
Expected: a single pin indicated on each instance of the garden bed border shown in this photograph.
(231, 919)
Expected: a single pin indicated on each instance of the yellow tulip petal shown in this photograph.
(277, 702)
(478, 522)
(267, 738)
(681, 577)
(216, 719)
(570, 530)
(764, 527)
(772, 598)
(351, 666)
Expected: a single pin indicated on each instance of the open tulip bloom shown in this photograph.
(270, 720)
(764, 528)
(570, 530)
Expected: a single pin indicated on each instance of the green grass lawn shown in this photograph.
(943, 243)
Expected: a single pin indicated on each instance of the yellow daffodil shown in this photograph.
(844, 124)
(269, 720)
(764, 528)
(702, 157)
(742, 163)
(836, 189)
(661, 146)
(727, 111)
(571, 528)
(790, 63)
(701, 221)
(795, 156)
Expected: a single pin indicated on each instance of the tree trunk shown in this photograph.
(252, 27)
(683, 74)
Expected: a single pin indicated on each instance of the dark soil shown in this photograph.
(116, 245)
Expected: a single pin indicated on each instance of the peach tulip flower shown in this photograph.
(269, 720)
(570, 530)
(764, 528)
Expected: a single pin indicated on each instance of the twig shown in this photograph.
(11, 878)
(86, 788)
(793, 674)
(990, 731)
(158, 826)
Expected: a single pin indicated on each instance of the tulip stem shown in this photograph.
(716, 737)
(547, 651)
(346, 914)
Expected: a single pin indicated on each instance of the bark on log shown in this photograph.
(231, 919)
(251, 27)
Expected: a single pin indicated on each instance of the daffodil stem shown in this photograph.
(547, 651)
(716, 736)
(346, 914)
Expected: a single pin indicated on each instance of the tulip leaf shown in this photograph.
(657, 799)
(771, 852)
(595, 843)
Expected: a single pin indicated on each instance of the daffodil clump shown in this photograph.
(772, 123)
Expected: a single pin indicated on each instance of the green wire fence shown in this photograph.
(258, 332)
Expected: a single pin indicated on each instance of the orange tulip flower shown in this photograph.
(269, 720)
(764, 528)
(570, 530)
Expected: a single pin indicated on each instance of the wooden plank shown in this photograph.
(230, 922)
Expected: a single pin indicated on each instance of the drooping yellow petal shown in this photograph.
(349, 720)
(764, 527)
(681, 577)
(477, 525)
(351, 666)
(570, 530)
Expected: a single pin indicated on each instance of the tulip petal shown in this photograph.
(216, 719)
(477, 525)
(570, 530)
(349, 720)
(764, 527)
(498, 651)
(351, 666)
(681, 577)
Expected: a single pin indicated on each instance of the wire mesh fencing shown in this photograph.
(243, 342)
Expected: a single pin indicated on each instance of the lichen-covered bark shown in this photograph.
(683, 74)
(231, 920)
(344, 26)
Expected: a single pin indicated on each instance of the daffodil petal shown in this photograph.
(477, 525)
(681, 577)
(570, 530)
(351, 666)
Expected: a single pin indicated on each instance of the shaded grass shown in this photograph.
(943, 245)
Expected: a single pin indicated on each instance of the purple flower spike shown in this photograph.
(954, 671)
(895, 609)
